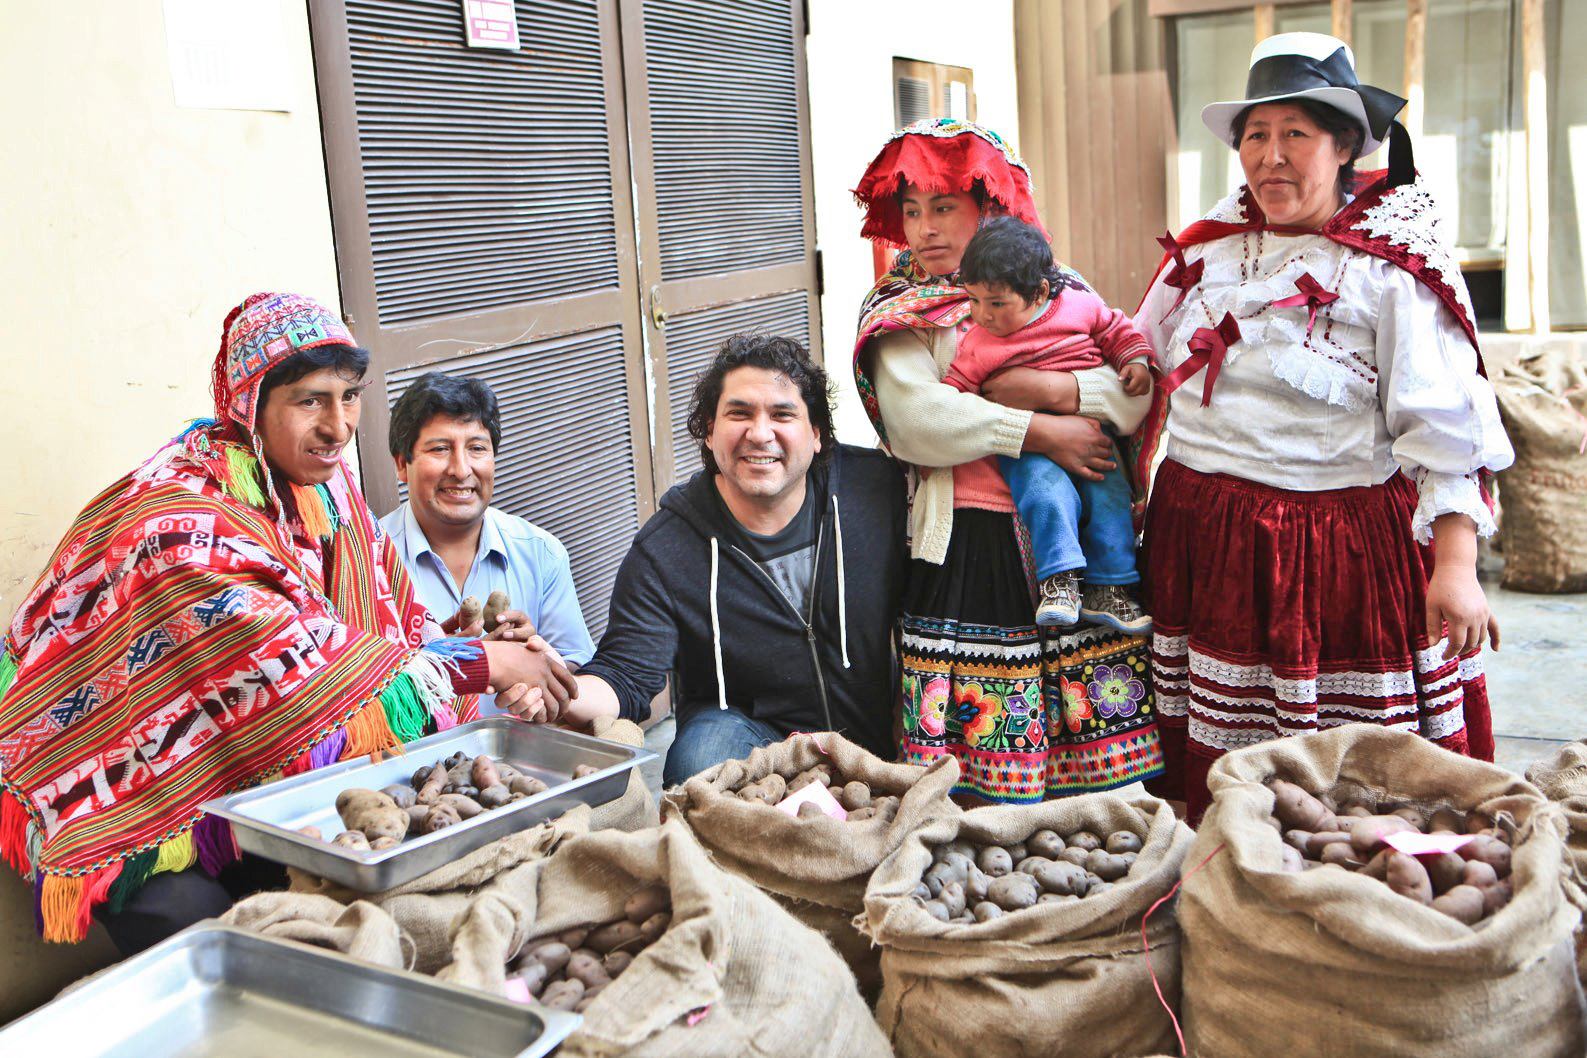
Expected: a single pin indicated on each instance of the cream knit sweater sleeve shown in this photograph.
(929, 423)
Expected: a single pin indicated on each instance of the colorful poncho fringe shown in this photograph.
(179, 647)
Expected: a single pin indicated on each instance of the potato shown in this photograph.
(551, 954)
(1297, 809)
(1074, 854)
(1369, 833)
(416, 816)
(494, 605)
(1445, 870)
(937, 910)
(811, 810)
(1315, 843)
(465, 807)
(1017, 851)
(953, 898)
(430, 792)
(1409, 878)
(1477, 822)
(1121, 841)
(311, 831)
(1012, 892)
(382, 844)
(1446, 821)
(1062, 878)
(939, 875)
(526, 784)
(494, 796)
(352, 839)
(582, 770)
(563, 995)
(1045, 843)
(860, 815)
(1358, 812)
(1495, 896)
(616, 962)
(775, 786)
(921, 893)
(1340, 854)
(994, 861)
(1378, 866)
(401, 796)
(460, 774)
(642, 903)
(985, 911)
(371, 812)
(1083, 839)
(533, 975)
(422, 776)
(855, 795)
(1290, 859)
(959, 845)
(468, 612)
(614, 935)
(441, 816)
(587, 968)
(483, 772)
(1414, 816)
(962, 865)
(654, 926)
(1479, 874)
(1463, 903)
(1029, 864)
(574, 938)
(1108, 866)
(1489, 850)
(976, 883)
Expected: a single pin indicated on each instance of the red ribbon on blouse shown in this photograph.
(1312, 294)
(1183, 276)
(1208, 346)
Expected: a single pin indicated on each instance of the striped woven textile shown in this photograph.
(185, 643)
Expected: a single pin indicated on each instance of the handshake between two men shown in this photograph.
(527, 675)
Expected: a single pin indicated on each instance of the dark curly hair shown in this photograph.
(1341, 126)
(1009, 253)
(774, 353)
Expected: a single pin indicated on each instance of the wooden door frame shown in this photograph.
(405, 345)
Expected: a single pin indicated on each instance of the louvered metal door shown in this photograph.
(484, 226)
(718, 109)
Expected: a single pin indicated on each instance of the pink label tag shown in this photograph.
(518, 991)
(812, 793)
(1413, 843)
(697, 1015)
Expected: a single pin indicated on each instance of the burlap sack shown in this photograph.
(816, 868)
(1563, 780)
(1071, 979)
(734, 975)
(636, 808)
(359, 929)
(1327, 962)
(1543, 532)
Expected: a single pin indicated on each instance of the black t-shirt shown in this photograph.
(789, 555)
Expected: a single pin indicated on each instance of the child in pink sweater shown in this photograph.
(1027, 312)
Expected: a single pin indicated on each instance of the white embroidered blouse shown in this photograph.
(1385, 379)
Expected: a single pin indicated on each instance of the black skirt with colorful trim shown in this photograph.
(1028, 716)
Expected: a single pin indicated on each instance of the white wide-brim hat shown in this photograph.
(1290, 66)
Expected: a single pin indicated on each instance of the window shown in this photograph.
(931, 90)
(1566, 43)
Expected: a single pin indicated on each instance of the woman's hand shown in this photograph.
(1031, 389)
(1455, 601)
(1074, 443)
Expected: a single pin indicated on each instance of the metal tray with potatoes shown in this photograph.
(266, 820)
(217, 991)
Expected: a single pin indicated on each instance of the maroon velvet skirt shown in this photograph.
(1281, 613)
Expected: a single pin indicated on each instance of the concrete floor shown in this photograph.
(1537, 680)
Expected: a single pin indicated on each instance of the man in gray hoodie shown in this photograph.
(769, 583)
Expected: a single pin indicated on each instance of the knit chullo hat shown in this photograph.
(942, 155)
(259, 334)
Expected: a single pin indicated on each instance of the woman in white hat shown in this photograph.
(1311, 535)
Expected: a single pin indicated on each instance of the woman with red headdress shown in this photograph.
(1311, 537)
(1027, 718)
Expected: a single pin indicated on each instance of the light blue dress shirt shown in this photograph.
(521, 559)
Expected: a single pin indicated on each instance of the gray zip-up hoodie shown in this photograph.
(690, 602)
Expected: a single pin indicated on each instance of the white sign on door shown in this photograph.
(491, 24)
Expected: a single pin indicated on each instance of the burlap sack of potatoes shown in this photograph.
(636, 808)
(817, 868)
(1073, 978)
(1563, 780)
(360, 929)
(733, 975)
(1327, 962)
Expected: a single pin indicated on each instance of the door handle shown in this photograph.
(658, 314)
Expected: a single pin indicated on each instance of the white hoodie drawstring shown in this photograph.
(716, 633)
(843, 603)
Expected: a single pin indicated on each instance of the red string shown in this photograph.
(1148, 945)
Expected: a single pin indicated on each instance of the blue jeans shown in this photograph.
(708, 736)
(1074, 524)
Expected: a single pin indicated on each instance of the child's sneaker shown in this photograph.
(1111, 605)
(1060, 601)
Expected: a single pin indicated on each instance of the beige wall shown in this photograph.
(130, 226)
(850, 51)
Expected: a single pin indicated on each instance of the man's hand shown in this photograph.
(511, 626)
(1077, 444)
(533, 682)
(454, 626)
(1137, 378)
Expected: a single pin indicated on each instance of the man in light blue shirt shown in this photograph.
(444, 435)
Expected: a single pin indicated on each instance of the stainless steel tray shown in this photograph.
(265, 820)
(214, 990)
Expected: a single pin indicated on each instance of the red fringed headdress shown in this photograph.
(941, 155)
